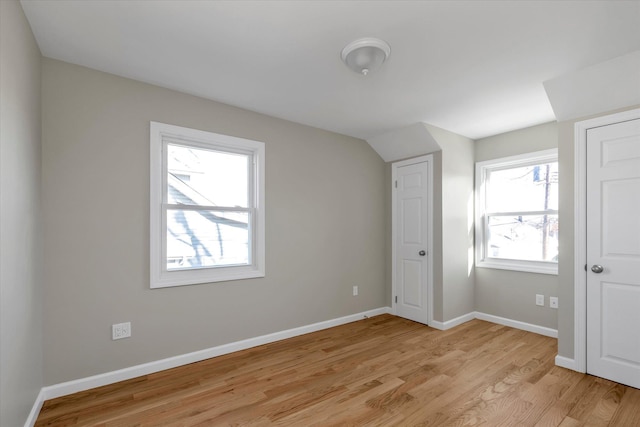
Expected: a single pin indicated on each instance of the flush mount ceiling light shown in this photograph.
(365, 55)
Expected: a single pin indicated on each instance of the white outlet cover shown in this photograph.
(539, 300)
(120, 330)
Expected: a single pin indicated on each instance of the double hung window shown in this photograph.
(517, 213)
(207, 207)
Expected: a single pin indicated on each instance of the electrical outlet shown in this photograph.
(553, 302)
(120, 330)
(355, 291)
(540, 300)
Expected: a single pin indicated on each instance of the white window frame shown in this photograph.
(481, 222)
(160, 135)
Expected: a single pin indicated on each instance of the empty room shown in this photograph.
(319, 213)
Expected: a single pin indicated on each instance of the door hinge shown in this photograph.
(396, 299)
(396, 183)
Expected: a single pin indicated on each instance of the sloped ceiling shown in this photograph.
(601, 87)
(475, 68)
(403, 143)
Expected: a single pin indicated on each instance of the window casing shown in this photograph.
(517, 213)
(206, 207)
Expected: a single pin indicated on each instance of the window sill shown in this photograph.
(196, 277)
(522, 266)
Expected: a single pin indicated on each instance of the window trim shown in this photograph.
(481, 216)
(160, 135)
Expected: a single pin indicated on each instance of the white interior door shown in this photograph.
(411, 230)
(613, 252)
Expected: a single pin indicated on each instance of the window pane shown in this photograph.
(527, 237)
(206, 178)
(198, 239)
(527, 188)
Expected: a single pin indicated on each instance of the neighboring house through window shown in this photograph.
(517, 213)
(207, 207)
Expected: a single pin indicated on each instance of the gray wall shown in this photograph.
(388, 280)
(325, 231)
(511, 294)
(456, 238)
(457, 227)
(20, 222)
(566, 155)
(438, 280)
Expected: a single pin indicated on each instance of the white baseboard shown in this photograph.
(553, 333)
(35, 410)
(565, 362)
(66, 388)
(437, 325)
(443, 326)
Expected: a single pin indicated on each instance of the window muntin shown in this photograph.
(207, 215)
(517, 213)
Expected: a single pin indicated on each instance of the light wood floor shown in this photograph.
(383, 371)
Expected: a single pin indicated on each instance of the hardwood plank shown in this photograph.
(381, 371)
(628, 412)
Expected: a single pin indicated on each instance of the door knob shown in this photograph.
(597, 268)
(422, 253)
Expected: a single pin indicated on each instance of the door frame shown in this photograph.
(580, 230)
(394, 231)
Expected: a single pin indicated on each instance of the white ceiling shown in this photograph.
(475, 68)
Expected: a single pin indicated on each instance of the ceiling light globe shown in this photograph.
(366, 55)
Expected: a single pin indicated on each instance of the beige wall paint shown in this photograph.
(438, 288)
(566, 155)
(325, 232)
(20, 222)
(388, 235)
(457, 224)
(527, 140)
(511, 294)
